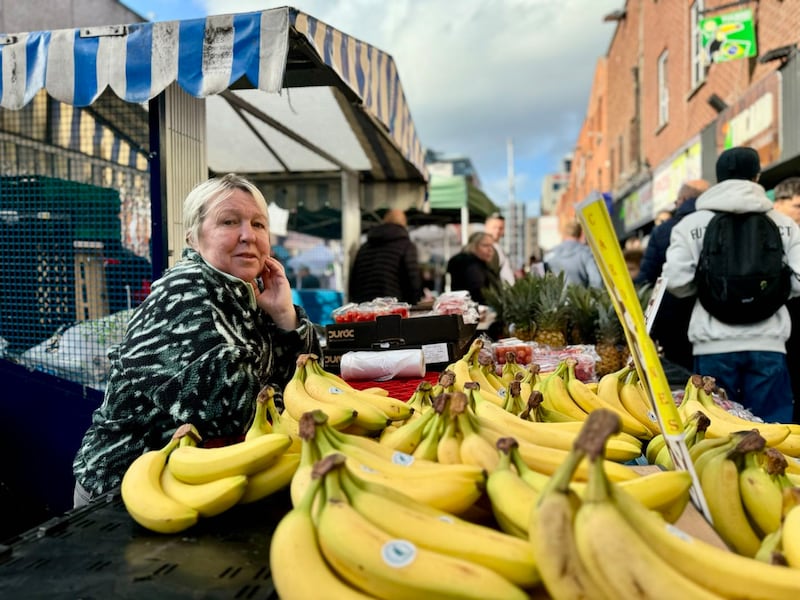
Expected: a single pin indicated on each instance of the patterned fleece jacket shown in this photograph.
(197, 350)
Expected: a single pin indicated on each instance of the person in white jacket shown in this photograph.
(747, 360)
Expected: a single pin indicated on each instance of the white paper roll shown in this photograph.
(381, 366)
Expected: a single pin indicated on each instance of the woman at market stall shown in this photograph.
(216, 328)
(471, 270)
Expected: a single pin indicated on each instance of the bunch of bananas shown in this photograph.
(463, 427)
(513, 488)
(747, 492)
(565, 397)
(451, 487)
(698, 396)
(694, 431)
(349, 537)
(357, 411)
(606, 544)
(169, 489)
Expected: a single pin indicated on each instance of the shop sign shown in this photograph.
(754, 120)
(637, 207)
(729, 37)
(669, 177)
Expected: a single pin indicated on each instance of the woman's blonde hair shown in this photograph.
(207, 195)
(475, 239)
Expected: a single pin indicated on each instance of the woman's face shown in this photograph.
(484, 249)
(234, 236)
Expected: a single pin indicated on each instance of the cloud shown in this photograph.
(478, 72)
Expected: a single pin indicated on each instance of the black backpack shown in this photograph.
(742, 275)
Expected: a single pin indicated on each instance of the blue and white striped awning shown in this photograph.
(205, 57)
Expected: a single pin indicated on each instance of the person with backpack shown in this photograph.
(741, 259)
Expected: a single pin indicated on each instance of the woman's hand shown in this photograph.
(276, 298)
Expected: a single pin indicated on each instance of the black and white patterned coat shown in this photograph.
(197, 350)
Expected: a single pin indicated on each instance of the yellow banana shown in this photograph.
(298, 401)
(145, 499)
(725, 573)
(636, 570)
(449, 490)
(368, 416)
(497, 384)
(428, 446)
(375, 561)
(720, 483)
(762, 497)
(440, 531)
(268, 481)
(723, 422)
(512, 499)
(460, 371)
(654, 446)
(489, 392)
(282, 422)
(407, 436)
(552, 536)
(208, 499)
(791, 445)
(556, 397)
(589, 401)
(545, 459)
(636, 403)
(297, 567)
(395, 409)
(791, 537)
(544, 434)
(475, 449)
(309, 455)
(448, 450)
(420, 400)
(199, 465)
(374, 454)
(260, 425)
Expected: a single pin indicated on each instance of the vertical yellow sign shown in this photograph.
(596, 222)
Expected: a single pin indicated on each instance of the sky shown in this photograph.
(476, 73)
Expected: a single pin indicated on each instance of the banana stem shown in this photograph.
(597, 486)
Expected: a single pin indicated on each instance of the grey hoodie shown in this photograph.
(707, 334)
(577, 262)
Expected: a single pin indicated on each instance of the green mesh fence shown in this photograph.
(74, 232)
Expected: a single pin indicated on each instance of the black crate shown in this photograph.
(393, 331)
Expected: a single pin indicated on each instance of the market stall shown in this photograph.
(276, 95)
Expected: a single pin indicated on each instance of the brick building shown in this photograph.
(660, 110)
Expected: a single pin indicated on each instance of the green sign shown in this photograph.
(729, 36)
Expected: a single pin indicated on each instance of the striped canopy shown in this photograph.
(267, 50)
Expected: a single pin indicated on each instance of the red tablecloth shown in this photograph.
(401, 388)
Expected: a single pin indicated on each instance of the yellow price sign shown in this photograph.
(602, 239)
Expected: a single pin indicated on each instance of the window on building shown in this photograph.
(663, 90)
(697, 52)
(611, 166)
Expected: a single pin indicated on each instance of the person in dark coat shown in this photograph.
(471, 269)
(386, 265)
(787, 201)
(671, 324)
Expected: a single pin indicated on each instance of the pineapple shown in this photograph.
(582, 314)
(514, 306)
(610, 342)
(551, 311)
